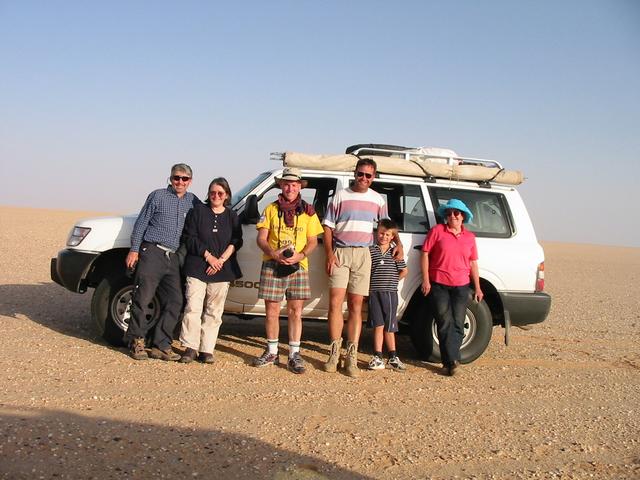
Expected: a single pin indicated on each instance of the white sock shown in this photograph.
(272, 346)
(294, 347)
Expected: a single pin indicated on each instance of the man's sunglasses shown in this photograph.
(363, 174)
(455, 213)
(215, 193)
(175, 178)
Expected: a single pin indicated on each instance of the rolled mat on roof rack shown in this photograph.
(423, 167)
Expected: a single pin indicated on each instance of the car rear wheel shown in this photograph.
(478, 327)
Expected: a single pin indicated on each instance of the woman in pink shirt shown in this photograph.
(449, 265)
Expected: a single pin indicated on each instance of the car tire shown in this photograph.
(111, 308)
(478, 330)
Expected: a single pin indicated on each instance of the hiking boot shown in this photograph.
(188, 356)
(334, 356)
(205, 357)
(137, 350)
(296, 364)
(376, 363)
(395, 363)
(168, 355)
(351, 360)
(266, 359)
(451, 368)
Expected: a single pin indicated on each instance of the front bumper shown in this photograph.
(526, 308)
(71, 269)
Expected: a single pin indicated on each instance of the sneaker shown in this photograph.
(296, 364)
(137, 350)
(266, 359)
(189, 355)
(396, 364)
(168, 355)
(206, 357)
(376, 363)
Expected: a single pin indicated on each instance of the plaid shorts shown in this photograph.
(274, 289)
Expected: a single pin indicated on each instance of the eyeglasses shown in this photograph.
(175, 178)
(455, 213)
(364, 174)
(215, 193)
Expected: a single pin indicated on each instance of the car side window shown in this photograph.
(491, 214)
(317, 193)
(405, 205)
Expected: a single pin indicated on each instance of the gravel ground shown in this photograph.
(560, 402)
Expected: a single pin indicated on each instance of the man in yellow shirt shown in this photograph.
(287, 233)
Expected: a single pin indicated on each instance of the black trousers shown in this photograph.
(449, 305)
(157, 272)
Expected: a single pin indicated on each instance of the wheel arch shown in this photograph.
(493, 301)
(109, 264)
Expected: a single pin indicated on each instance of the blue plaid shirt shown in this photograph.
(162, 218)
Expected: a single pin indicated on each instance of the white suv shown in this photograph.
(511, 261)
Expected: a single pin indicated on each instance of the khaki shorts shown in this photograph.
(354, 270)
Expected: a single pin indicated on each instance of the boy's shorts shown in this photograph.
(354, 270)
(383, 306)
(274, 289)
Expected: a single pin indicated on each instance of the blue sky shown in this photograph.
(98, 99)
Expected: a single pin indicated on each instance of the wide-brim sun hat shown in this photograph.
(455, 204)
(291, 174)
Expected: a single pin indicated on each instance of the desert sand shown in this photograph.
(562, 401)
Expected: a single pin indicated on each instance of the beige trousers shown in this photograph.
(203, 314)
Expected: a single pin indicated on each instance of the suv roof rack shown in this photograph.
(444, 155)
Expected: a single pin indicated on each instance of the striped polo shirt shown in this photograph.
(351, 215)
(384, 270)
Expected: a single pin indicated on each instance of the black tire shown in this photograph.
(478, 329)
(111, 307)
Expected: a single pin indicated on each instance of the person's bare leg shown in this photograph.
(354, 320)
(272, 320)
(294, 322)
(336, 318)
(377, 338)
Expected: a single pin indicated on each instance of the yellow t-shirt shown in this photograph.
(304, 226)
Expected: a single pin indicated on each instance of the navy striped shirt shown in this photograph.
(384, 270)
(162, 218)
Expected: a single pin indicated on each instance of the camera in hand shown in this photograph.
(283, 270)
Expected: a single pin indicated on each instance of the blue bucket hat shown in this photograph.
(455, 204)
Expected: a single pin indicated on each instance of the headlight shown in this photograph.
(77, 235)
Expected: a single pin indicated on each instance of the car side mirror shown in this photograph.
(250, 215)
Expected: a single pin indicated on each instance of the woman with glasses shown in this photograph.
(212, 234)
(449, 265)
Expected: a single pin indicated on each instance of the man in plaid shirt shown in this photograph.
(154, 241)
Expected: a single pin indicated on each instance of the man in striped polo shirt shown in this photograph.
(154, 241)
(348, 232)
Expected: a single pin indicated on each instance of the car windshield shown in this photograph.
(244, 191)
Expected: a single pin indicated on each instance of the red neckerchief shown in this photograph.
(289, 210)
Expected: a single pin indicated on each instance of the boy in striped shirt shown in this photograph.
(386, 272)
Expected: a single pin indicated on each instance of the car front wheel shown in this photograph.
(111, 308)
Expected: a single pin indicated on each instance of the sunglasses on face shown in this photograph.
(455, 213)
(215, 193)
(364, 174)
(175, 178)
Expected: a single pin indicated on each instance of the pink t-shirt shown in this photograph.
(450, 256)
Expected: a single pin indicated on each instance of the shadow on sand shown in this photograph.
(68, 313)
(57, 444)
